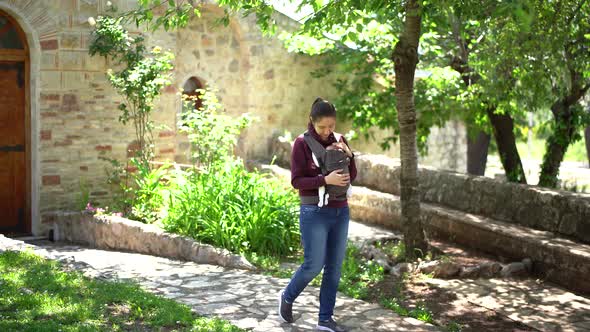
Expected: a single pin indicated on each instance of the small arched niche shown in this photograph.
(190, 88)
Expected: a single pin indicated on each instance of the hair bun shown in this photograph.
(318, 100)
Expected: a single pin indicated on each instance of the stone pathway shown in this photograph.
(246, 299)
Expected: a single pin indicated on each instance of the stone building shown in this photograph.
(58, 113)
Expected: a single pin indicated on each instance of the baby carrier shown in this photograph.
(329, 160)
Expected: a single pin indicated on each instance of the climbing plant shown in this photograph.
(213, 134)
(139, 80)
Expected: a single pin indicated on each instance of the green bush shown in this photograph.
(233, 208)
(149, 188)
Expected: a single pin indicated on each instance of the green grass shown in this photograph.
(396, 250)
(453, 327)
(420, 312)
(358, 274)
(271, 265)
(575, 152)
(36, 295)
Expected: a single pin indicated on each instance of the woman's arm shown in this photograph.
(352, 166)
(299, 180)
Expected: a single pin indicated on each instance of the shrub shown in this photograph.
(233, 208)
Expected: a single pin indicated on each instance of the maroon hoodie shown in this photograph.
(305, 175)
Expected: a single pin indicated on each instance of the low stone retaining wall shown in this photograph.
(557, 211)
(111, 232)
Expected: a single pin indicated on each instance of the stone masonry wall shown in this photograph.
(74, 112)
(561, 212)
(556, 211)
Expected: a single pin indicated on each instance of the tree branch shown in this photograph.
(569, 21)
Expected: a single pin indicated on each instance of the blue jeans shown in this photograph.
(324, 233)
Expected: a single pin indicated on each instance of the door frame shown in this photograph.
(23, 56)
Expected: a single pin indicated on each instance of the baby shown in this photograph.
(335, 159)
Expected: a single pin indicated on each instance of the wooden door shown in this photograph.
(12, 148)
(15, 208)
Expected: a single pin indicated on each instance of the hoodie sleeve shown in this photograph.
(352, 166)
(299, 180)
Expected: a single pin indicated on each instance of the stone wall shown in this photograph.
(556, 211)
(561, 212)
(116, 233)
(74, 112)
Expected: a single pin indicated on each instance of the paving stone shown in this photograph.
(581, 326)
(173, 282)
(201, 284)
(246, 323)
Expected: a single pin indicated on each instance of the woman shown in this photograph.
(324, 230)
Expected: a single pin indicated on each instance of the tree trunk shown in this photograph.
(477, 152)
(587, 139)
(503, 129)
(557, 144)
(405, 56)
(565, 126)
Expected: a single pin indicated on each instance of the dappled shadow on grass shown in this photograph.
(36, 295)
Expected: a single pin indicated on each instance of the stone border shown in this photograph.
(117, 233)
(556, 211)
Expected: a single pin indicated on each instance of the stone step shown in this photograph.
(558, 259)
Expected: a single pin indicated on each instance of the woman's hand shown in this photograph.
(342, 146)
(337, 179)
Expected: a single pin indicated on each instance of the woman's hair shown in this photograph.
(321, 108)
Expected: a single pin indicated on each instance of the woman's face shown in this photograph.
(324, 126)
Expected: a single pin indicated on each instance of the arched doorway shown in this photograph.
(190, 89)
(15, 210)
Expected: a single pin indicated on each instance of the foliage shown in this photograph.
(358, 275)
(213, 134)
(396, 250)
(420, 312)
(38, 296)
(149, 186)
(339, 15)
(271, 265)
(218, 200)
(84, 197)
(453, 327)
(138, 189)
(140, 79)
(118, 179)
(535, 150)
(233, 208)
(532, 38)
